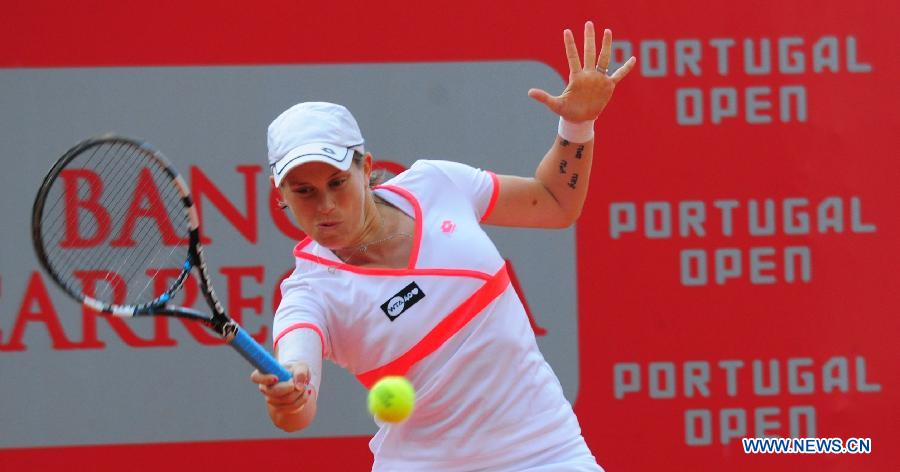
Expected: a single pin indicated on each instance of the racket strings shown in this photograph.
(52, 208)
(148, 265)
(58, 224)
(119, 216)
(121, 167)
(147, 259)
(120, 152)
(105, 174)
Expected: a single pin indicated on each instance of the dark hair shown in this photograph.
(377, 177)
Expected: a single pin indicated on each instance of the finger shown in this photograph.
(290, 402)
(294, 397)
(278, 389)
(275, 395)
(621, 72)
(590, 46)
(258, 377)
(548, 100)
(605, 50)
(287, 400)
(289, 408)
(571, 52)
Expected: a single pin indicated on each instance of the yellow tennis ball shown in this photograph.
(392, 399)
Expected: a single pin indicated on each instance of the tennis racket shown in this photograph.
(115, 227)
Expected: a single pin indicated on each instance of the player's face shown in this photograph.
(327, 203)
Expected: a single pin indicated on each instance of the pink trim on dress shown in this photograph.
(494, 195)
(443, 331)
(414, 254)
(384, 271)
(296, 326)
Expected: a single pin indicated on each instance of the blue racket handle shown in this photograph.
(256, 355)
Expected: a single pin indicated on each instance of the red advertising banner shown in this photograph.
(735, 260)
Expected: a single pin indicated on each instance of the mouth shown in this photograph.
(326, 225)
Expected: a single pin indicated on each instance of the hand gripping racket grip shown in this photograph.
(253, 352)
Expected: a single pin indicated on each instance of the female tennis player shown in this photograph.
(400, 279)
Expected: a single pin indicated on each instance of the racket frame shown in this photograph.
(219, 322)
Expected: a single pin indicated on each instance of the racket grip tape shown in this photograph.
(258, 356)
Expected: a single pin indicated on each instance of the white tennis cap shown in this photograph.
(313, 132)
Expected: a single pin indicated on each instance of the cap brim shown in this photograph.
(339, 157)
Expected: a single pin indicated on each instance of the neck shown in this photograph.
(379, 238)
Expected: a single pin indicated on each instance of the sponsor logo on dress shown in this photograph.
(402, 301)
(448, 226)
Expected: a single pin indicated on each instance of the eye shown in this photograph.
(302, 191)
(337, 182)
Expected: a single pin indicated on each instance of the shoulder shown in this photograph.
(418, 171)
(441, 168)
(302, 301)
(433, 171)
(448, 181)
(306, 280)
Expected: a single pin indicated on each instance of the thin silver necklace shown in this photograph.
(364, 248)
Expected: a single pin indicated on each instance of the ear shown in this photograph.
(367, 166)
(278, 201)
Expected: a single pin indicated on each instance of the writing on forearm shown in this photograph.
(579, 151)
(573, 180)
(562, 166)
(563, 142)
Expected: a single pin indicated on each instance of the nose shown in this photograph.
(326, 203)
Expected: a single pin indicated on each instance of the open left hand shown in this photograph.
(590, 87)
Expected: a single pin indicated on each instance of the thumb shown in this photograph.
(548, 100)
(301, 376)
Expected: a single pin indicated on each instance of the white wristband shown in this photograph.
(580, 132)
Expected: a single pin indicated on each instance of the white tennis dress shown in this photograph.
(452, 323)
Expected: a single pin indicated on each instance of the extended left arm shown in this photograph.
(554, 197)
